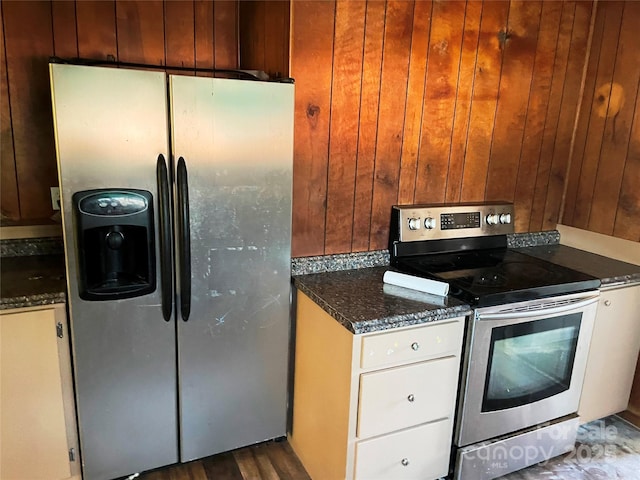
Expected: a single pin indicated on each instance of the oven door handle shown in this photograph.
(535, 312)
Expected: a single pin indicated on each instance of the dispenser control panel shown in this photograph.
(113, 202)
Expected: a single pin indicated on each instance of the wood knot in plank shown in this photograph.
(313, 114)
(503, 37)
(609, 99)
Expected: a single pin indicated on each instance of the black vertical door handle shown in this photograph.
(164, 219)
(184, 234)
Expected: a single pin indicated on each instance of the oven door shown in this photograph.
(524, 365)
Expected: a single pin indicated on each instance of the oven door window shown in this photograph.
(530, 361)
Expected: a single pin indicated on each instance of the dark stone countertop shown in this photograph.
(360, 301)
(612, 273)
(33, 280)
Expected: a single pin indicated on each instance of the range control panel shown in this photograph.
(435, 222)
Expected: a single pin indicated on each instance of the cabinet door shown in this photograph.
(416, 344)
(33, 430)
(416, 453)
(405, 396)
(613, 354)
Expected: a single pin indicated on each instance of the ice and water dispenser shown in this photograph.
(114, 234)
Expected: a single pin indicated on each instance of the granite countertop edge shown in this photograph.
(36, 300)
(382, 323)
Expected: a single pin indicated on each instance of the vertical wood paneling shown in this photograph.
(568, 111)
(461, 120)
(536, 112)
(583, 121)
(204, 36)
(274, 21)
(628, 212)
(602, 186)
(368, 128)
(65, 39)
(491, 100)
(595, 134)
(264, 43)
(276, 54)
(252, 25)
(393, 86)
(29, 42)
(343, 139)
(513, 98)
(225, 28)
(619, 117)
(483, 100)
(179, 33)
(393, 104)
(313, 24)
(439, 101)
(9, 205)
(415, 96)
(96, 27)
(140, 31)
(552, 117)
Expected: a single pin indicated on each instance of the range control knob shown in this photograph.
(429, 223)
(493, 219)
(414, 223)
(505, 218)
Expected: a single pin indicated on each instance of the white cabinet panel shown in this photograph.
(414, 345)
(37, 418)
(417, 453)
(613, 354)
(401, 397)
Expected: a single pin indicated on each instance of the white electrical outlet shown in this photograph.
(55, 198)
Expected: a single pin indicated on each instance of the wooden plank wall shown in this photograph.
(430, 101)
(264, 36)
(603, 190)
(397, 102)
(195, 33)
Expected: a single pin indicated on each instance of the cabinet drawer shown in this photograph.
(416, 344)
(406, 396)
(421, 453)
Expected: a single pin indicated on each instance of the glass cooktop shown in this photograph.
(497, 276)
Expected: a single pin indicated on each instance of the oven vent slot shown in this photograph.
(539, 306)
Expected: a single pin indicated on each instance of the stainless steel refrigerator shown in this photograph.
(176, 205)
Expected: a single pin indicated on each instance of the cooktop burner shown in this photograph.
(465, 245)
(492, 277)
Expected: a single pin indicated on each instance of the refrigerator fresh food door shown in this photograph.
(235, 139)
(111, 126)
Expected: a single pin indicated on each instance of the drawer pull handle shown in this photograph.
(411, 398)
(607, 303)
(405, 462)
(415, 346)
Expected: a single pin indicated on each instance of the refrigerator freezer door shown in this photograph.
(111, 125)
(236, 138)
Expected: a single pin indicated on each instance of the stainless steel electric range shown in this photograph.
(526, 342)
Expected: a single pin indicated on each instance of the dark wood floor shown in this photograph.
(265, 461)
(277, 461)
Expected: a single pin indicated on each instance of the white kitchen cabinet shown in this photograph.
(373, 406)
(38, 436)
(613, 354)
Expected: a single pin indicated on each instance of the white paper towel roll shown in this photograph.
(416, 283)
(415, 295)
